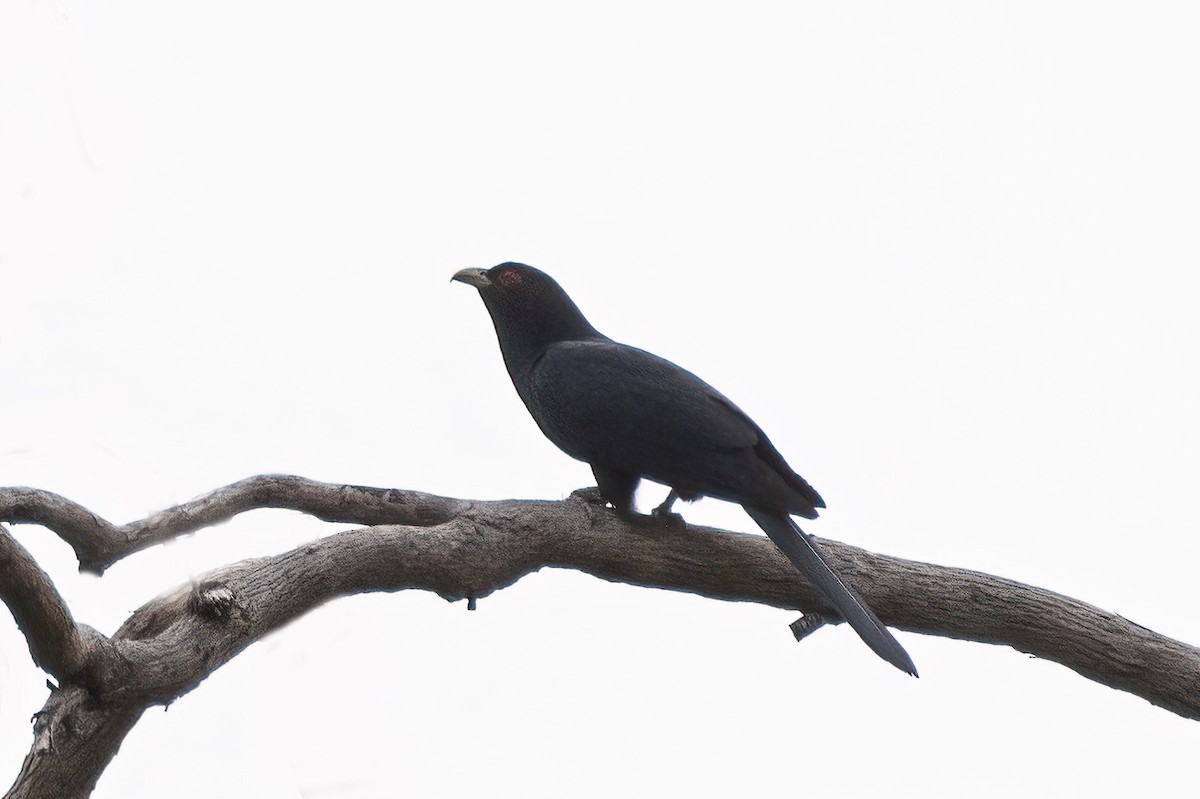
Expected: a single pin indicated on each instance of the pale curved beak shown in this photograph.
(472, 277)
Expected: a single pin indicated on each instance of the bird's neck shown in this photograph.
(524, 336)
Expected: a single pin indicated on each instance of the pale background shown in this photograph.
(945, 254)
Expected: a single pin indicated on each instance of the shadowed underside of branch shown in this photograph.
(466, 550)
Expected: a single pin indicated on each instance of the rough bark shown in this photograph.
(99, 544)
(462, 549)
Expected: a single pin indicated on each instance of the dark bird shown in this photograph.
(630, 414)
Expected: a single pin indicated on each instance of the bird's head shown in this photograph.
(529, 309)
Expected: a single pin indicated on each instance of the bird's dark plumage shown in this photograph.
(630, 414)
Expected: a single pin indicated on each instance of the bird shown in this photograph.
(631, 415)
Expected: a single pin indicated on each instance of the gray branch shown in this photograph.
(57, 643)
(99, 543)
(467, 550)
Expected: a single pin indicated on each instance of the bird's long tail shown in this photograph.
(800, 549)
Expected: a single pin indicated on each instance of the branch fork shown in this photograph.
(466, 550)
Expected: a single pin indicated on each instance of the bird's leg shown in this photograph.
(663, 511)
(665, 507)
(617, 488)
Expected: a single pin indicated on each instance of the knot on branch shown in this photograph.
(213, 600)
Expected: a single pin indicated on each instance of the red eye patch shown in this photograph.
(509, 278)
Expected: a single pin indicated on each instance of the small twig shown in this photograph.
(807, 624)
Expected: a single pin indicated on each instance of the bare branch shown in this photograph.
(57, 644)
(99, 544)
(76, 738)
(464, 549)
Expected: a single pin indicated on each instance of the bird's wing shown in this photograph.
(636, 413)
(597, 392)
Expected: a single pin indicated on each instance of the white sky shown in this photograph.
(945, 254)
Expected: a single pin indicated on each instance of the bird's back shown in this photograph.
(630, 410)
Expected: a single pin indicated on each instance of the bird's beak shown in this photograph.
(472, 277)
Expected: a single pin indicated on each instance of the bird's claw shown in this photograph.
(668, 518)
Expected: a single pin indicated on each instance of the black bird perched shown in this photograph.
(630, 414)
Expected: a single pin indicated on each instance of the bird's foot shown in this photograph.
(668, 518)
(807, 624)
(646, 524)
(664, 515)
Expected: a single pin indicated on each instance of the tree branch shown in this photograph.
(99, 543)
(57, 644)
(462, 549)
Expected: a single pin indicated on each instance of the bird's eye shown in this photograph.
(509, 278)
